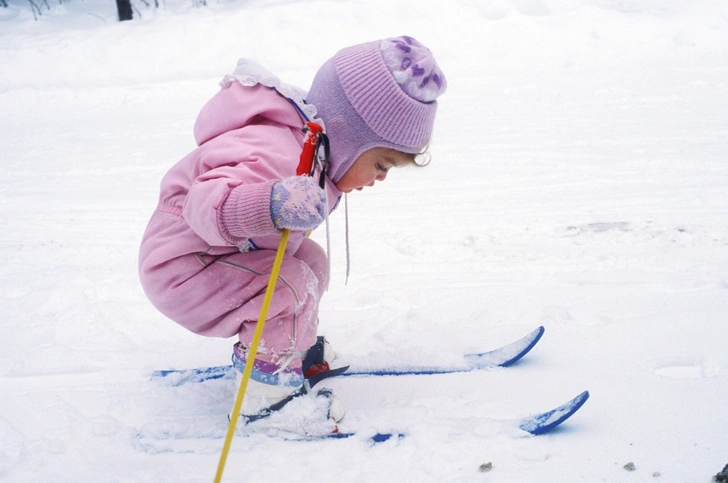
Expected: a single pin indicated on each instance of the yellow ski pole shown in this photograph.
(252, 352)
(305, 167)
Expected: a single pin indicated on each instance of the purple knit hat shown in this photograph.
(377, 94)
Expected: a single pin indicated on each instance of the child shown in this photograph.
(208, 250)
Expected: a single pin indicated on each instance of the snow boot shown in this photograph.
(280, 399)
(320, 362)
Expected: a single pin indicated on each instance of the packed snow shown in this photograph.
(579, 181)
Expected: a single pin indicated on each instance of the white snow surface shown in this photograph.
(579, 181)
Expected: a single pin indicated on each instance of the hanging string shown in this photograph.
(346, 218)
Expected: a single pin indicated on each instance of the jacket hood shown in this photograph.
(237, 106)
(262, 96)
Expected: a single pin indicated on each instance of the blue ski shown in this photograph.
(374, 439)
(536, 425)
(545, 422)
(501, 357)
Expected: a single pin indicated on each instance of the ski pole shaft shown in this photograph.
(305, 168)
(252, 352)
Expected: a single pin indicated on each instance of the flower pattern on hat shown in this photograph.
(413, 67)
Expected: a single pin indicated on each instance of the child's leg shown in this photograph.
(223, 296)
(291, 325)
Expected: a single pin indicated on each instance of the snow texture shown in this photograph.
(579, 181)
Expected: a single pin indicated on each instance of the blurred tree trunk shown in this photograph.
(124, 7)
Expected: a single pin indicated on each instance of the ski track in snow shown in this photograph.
(579, 181)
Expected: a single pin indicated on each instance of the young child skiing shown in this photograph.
(207, 253)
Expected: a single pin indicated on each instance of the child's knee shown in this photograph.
(315, 258)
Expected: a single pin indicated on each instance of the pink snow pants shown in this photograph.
(221, 296)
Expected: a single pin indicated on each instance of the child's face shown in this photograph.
(372, 165)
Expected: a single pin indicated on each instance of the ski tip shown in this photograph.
(538, 333)
(545, 422)
(580, 400)
(532, 339)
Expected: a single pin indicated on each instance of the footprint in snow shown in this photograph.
(685, 368)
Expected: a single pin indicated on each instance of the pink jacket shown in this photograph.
(216, 200)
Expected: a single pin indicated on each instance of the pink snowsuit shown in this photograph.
(208, 250)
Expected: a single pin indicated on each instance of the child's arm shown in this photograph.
(233, 201)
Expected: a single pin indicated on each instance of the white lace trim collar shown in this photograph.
(250, 73)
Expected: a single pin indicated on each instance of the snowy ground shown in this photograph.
(579, 181)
